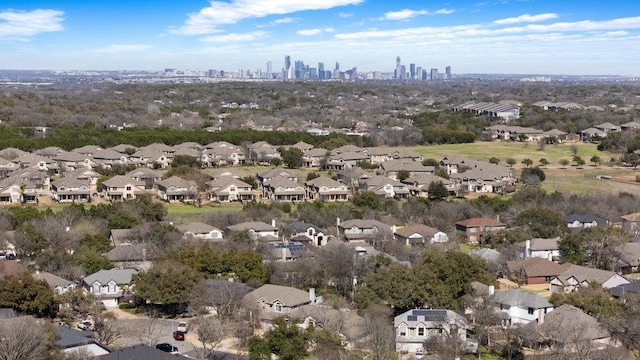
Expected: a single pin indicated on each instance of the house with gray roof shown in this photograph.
(257, 230)
(176, 189)
(109, 286)
(521, 307)
(145, 175)
(141, 352)
(347, 324)
(306, 233)
(384, 186)
(416, 327)
(109, 157)
(121, 187)
(418, 184)
(229, 188)
(270, 301)
(579, 221)
(314, 157)
(132, 256)
(70, 160)
(542, 248)
(70, 341)
(391, 168)
(419, 234)
(326, 189)
(577, 276)
(363, 230)
(283, 189)
(200, 230)
(84, 174)
(56, 283)
(71, 190)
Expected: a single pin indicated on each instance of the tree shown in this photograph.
(564, 162)
(24, 339)
(403, 175)
(579, 161)
(211, 332)
(167, 284)
(380, 337)
(595, 159)
(511, 161)
(573, 249)
(533, 175)
(494, 160)
(542, 222)
(437, 190)
(286, 340)
(90, 260)
(574, 149)
(26, 294)
(527, 162)
(543, 162)
(368, 199)
(291, 157)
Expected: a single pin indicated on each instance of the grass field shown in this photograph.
(515, 150)
(584, 181)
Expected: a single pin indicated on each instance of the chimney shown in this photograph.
(312, 295)
(273, 222)
(284, 254)
(527, 249)
(394, 228)
(541, 316)
(498, 217)
(337, 221)
(492, 290)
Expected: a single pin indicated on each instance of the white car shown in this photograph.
(85, 325)
(183, 327)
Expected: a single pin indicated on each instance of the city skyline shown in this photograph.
(508, 36)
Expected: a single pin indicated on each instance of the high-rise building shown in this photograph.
(412, 71)
(398, 71)
(447, 71)
(287, 67)
(269, 73)
(337, 66)
(403, 72)
(321, 70)
(419, 73)
(434, 74)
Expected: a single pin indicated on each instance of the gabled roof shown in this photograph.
(252, 225)
(585, 218)
(489, 255)
(135, 252)
(477, 222)
(537, 267)
(121, 181)
(269, 174)
(366, 224)
(301, 226)
(52, 280)
(108, 154)
(140, 352)
(122, 148)
(288, 296)
(522, 299)
(538, 244)
(87, 149)
(415, 316)
(583, 273)
(566, 322)
(635, 217)
(70, 182)
(281, 181)
(120, 276)
(421, 229)
(177, 182)
(323, 181)
(346, 322)
(197, 227)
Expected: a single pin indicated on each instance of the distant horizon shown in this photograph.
(479, 37)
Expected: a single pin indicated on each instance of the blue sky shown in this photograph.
(483, 36)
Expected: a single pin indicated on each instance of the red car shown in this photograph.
(178, 335)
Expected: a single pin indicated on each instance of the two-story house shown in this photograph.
(521, 307)
(256, 230)
(475, 230)
(228, 188)
(326, 189)
(121, 187)
(360, 230)
(71, 190)
(270, 301)
(420, 234)
(175, 189)
(109, 286)
(306, 233)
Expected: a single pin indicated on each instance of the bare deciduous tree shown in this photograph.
(24, 339)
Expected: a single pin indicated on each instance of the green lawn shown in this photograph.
(180, 210)
(572, 180)
(516, 150)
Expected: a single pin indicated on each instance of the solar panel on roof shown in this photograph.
(412, 318)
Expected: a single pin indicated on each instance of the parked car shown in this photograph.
(166, 347)
(178, 335)
(183, 326)
(85, 325)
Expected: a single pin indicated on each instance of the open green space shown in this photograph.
(516, 150)
(181, 210)
(586, 181)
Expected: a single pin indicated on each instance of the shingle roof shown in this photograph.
(583, 273)
(120, 276)
(288, 296)
(585, 219)
(252, 225)
(52, 280)
(476, 222)
(140, 352)
(196, 227)
(424, 230)
(536, 267)
(564, 323)
(516, 297)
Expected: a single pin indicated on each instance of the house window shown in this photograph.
(232, 189)
(420, 331)
(128, 187)
(310, 232)
(530, 311)
(96, 288)
(472, 230)
(403, 330)
(277, 307)
(112, 287)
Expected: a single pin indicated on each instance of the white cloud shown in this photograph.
(219, 13)
(345, 15)
(403, 14)
(235, 37)
(286, 20)
(311, 32)
(15, 24)
(444, 11)
(526, 18)
(122, 48)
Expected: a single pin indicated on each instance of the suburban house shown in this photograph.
(131, 256)
(141, 352)
(415, 327)
(12, 191)
(521, 307)
(121, 187)
(284, 251)
(629, 260)
(475, 230)
(631, 222)
(282, 189)
(145, 175)
(576, 276)
(534, 270)
(265, 176)
(579, 221)
(56, 283)
(420, 234)
(256, 230)
(305, 233)
(630, 289)
(360, 230)
(592, 134)
(109, 286)
(505, 111)
(384, 186)
(71, 190)
(314, 157)
(108, 157)
(71, 341)
(419, 184)
(347, 324)
(391, 168)
(202, 231)
(84, 174)
(568, 329)
(270, 301)
(175, 189)
(542, 248)
(326, 189)
(70, 160)
(228, 188)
